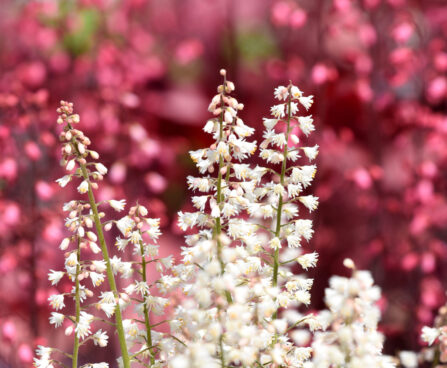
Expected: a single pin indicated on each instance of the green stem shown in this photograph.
(77, 307)
(222, 358)
(218, 226)
(110, 276)
(145, 310)
(436, 357)
(280, 202)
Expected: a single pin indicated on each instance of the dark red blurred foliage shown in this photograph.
(140, 74)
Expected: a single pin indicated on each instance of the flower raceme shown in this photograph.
(352, 339)
(84, 221)
(237, 282)
(242, 304)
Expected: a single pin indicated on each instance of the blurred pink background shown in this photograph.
(141, 74)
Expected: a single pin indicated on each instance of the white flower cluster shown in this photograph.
(436, 338)
(241, 300)
(84, 223)
(352, 339)
(142, 233)
(234, 278)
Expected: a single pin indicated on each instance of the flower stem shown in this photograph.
(222, 358)
(280, 202)
(77, 306)
(436, 357)
(110, 276)
(218, 226)
(145, 310)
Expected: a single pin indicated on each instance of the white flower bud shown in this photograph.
(70, 165)
(64, 244)
(81, 148)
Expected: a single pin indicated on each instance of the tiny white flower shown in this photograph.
(270, 123)
(308, 260)
(429, 334)
(142, 210)
(310, 201)
(63, 181)
(55, 276)
(125, 225)
(100, 338)
(408, 359)
(296, 93)
(118, 205)
(209, 126)
(99, 266)
(135, 237)
(278, 111)
(293, 108)
(275, 243)
(306, 101)
(83, 187)
(302, 296)
(101, 168)
(311, 152)
(57, 301)
(97, 278)
(56, 319)
(281, 93)
(121, 244)
(142, 288)
(186, 219)
(108, 308)
(306, 124)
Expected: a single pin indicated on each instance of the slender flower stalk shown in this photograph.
(280, 201)
(77, 305)
(105, 254)
(79, 222)
(141, 231)
(147, 321)
(75, 152)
